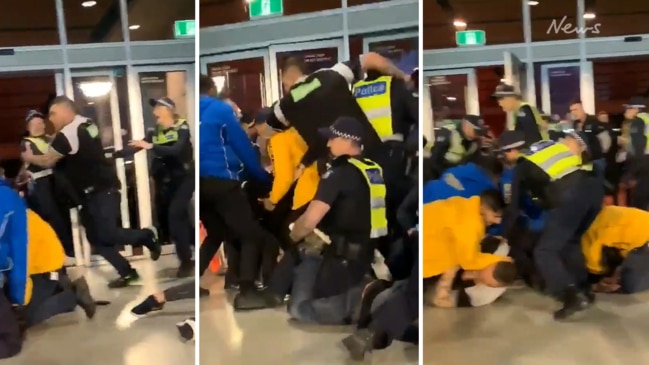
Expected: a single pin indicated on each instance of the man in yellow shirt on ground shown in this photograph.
(616, 250)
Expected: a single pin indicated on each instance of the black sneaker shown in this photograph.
(250, 300)
(186, 270)
(84, 298)
(573, 302)
(154, 246)
(124, 281)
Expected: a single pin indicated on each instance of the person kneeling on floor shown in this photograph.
(32, 259)
(453, 230)
(616, 249)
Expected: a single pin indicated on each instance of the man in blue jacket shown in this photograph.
(225, 151)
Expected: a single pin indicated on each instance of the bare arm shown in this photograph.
(309, 220)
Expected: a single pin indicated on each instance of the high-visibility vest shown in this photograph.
(540, 123)
(374, 98)
(41, 144)
(645, 119)
(163, 136)
(374, 176)
(554, 158)
(456, 151)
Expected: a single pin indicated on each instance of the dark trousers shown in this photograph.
(41, 200)
(640, 196)
(227, 215)
(100, 216)
(11, 340)
(181, 228)
(49, 298)
(397, 183)
(634, 271)
(558, 254)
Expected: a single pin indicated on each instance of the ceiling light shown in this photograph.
(95, 89)
(532, 3)
(451, 98)
(589, 15)
(459, 23)
(88, 4)
(134, 27)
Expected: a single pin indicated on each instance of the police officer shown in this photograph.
(525, 117)
(349, 207)
(551, 173)
(95, 181)
(598, 138)
(456, 142)
(392, 109)
(172, 148)
(636, 145)
(41, 192)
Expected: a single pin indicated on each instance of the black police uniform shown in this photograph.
(95, 181)
(527, 119)
(41, 195)
(439, 159)
(572, 203)
(638, 156)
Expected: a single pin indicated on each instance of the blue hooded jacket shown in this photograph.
(225, 149)
(464, 181)
(13, 242)
(533, 214)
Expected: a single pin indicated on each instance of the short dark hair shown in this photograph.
(205, 85)
(295, 62)
(64, 100)
(576, 101)
(505, 272)
(493, 199)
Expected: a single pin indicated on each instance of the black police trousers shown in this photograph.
(181, 228)
(226, 215)
(558, 255)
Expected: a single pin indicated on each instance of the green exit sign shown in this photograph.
(471, 38)
(264, 8)
(184, 28)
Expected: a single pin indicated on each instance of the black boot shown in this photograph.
(186, 270)
(573, 301)
(249, 299)
(359, 344)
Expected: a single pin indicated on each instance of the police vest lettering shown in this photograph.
(645, 118)
(374, 98)
(374, 177)
(554, 158)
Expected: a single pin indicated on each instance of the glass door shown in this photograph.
(96, 95)
(177, 83)
(243, 78)
(453, 94)
(316, 55)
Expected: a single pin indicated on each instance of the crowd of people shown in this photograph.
(70, 169)
(306, 195)
(531, 207)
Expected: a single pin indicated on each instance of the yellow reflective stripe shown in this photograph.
(645, 119)
(41, 144)
(377, 198)
(456, 150)
(377, 107)
(556, 160)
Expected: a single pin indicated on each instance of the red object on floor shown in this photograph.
(215, 265)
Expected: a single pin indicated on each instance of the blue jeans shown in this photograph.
(334, 310)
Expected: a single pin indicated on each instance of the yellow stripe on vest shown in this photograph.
(374, 177)
(554, 158)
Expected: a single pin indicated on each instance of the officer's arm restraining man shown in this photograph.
(637, 151)
(456, 142)
(94, 179)
(526, 118)
(552, 173)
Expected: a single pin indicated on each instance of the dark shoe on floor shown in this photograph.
(124, 281)
(358, 344)
(230, 283)
(371, 291)
(84, 298)
(186, 270)
(573, 302)
(186, 329)
(154, 246)
(203, 293)
(250, 300)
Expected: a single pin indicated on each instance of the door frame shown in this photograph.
(119, 163)
(273, 50)
(392, 37)
(471, 97)
(258, 53)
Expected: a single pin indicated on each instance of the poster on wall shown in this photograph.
(564, 87)
(153, 86)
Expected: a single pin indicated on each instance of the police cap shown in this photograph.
(504, 90)
(33, 114)
(510, 140)
(164, 101)
(637, 102)
(344, 127)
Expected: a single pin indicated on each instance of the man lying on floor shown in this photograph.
(616, 249)
(31, 263)
(453, 230)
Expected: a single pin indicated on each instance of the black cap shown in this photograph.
(344, 127)
(510, 140)
(637, 102)
(165, 101)
(503, 90)
(477, 123)
(33, 114)
(579, 137)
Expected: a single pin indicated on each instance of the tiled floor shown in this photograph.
(268, 337)
(519, 330)
(71, 339)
